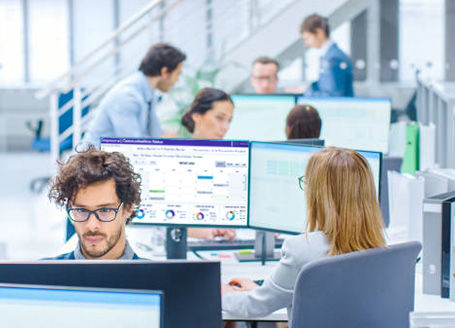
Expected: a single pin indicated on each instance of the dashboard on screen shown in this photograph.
(189, 181)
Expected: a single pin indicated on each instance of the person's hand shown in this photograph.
(210, 234)
(226, 289)
(202, 233)
(228, 234)
(243, 284)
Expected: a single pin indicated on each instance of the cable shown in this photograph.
(199, 255)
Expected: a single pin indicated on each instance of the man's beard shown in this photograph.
(111, 242)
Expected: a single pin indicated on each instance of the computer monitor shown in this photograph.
(356, 123)
(275, 201)
(70, 307)
(306, 142)
(260, 117)
(192, 296)
(189, 182)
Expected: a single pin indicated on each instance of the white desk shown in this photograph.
(231, 268)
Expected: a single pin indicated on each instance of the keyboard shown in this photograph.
(207, 245)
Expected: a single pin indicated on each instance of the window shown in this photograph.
(48, 37)
(11, 42)
(421, 38)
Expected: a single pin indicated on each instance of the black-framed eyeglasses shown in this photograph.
(302, 182)
(270, 78)
(104, 214)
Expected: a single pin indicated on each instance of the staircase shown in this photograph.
(280, 38)
(209, 31)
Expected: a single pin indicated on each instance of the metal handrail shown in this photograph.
(88, 101)
(73, 78)
(87, 92)
(103, 58)
(117, 49)
(53, 85)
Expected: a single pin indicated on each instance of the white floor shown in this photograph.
(31, 227)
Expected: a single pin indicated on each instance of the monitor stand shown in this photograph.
(264, 249)
(176, 243)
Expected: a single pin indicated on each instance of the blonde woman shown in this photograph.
(343, 216)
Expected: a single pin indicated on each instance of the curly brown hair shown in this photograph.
(93, 165)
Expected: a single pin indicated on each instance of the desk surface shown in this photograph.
(231, 268)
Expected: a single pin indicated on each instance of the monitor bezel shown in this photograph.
(184, 225)
(139, 274)
(249, 186)
(300, 101)
(302, 142)
(303, 193)
(279, 94)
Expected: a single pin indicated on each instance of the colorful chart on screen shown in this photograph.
(188, 182)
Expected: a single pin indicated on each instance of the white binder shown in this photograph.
(435, 184)
(427, 146)
(406, 194)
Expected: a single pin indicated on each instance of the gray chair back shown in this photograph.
(365, 289)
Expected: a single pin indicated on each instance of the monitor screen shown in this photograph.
(191, 289)
(54, 306)
(260, 117)
(356, 123)
(188, 181)
(276, 202)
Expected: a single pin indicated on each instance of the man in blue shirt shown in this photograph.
(129, 109)
(335, 77)
(100, 191)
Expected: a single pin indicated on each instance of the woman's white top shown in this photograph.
(277, 290)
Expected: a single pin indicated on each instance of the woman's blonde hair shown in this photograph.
(341, 201)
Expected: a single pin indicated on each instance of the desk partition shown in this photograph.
(436, 104)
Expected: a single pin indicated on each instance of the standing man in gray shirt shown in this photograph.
(129, 109)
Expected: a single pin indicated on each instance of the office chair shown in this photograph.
(372, 288)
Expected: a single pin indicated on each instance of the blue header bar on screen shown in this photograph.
(176, 142)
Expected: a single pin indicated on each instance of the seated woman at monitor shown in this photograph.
(209, 117)
(343, 216)
(303, 122)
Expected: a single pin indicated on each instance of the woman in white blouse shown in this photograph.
(343, 216)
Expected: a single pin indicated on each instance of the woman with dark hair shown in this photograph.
(209, 115)
(303, 122)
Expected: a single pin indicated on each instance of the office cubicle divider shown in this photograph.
(436, 104)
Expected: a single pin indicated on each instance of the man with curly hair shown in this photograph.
(100, 191)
